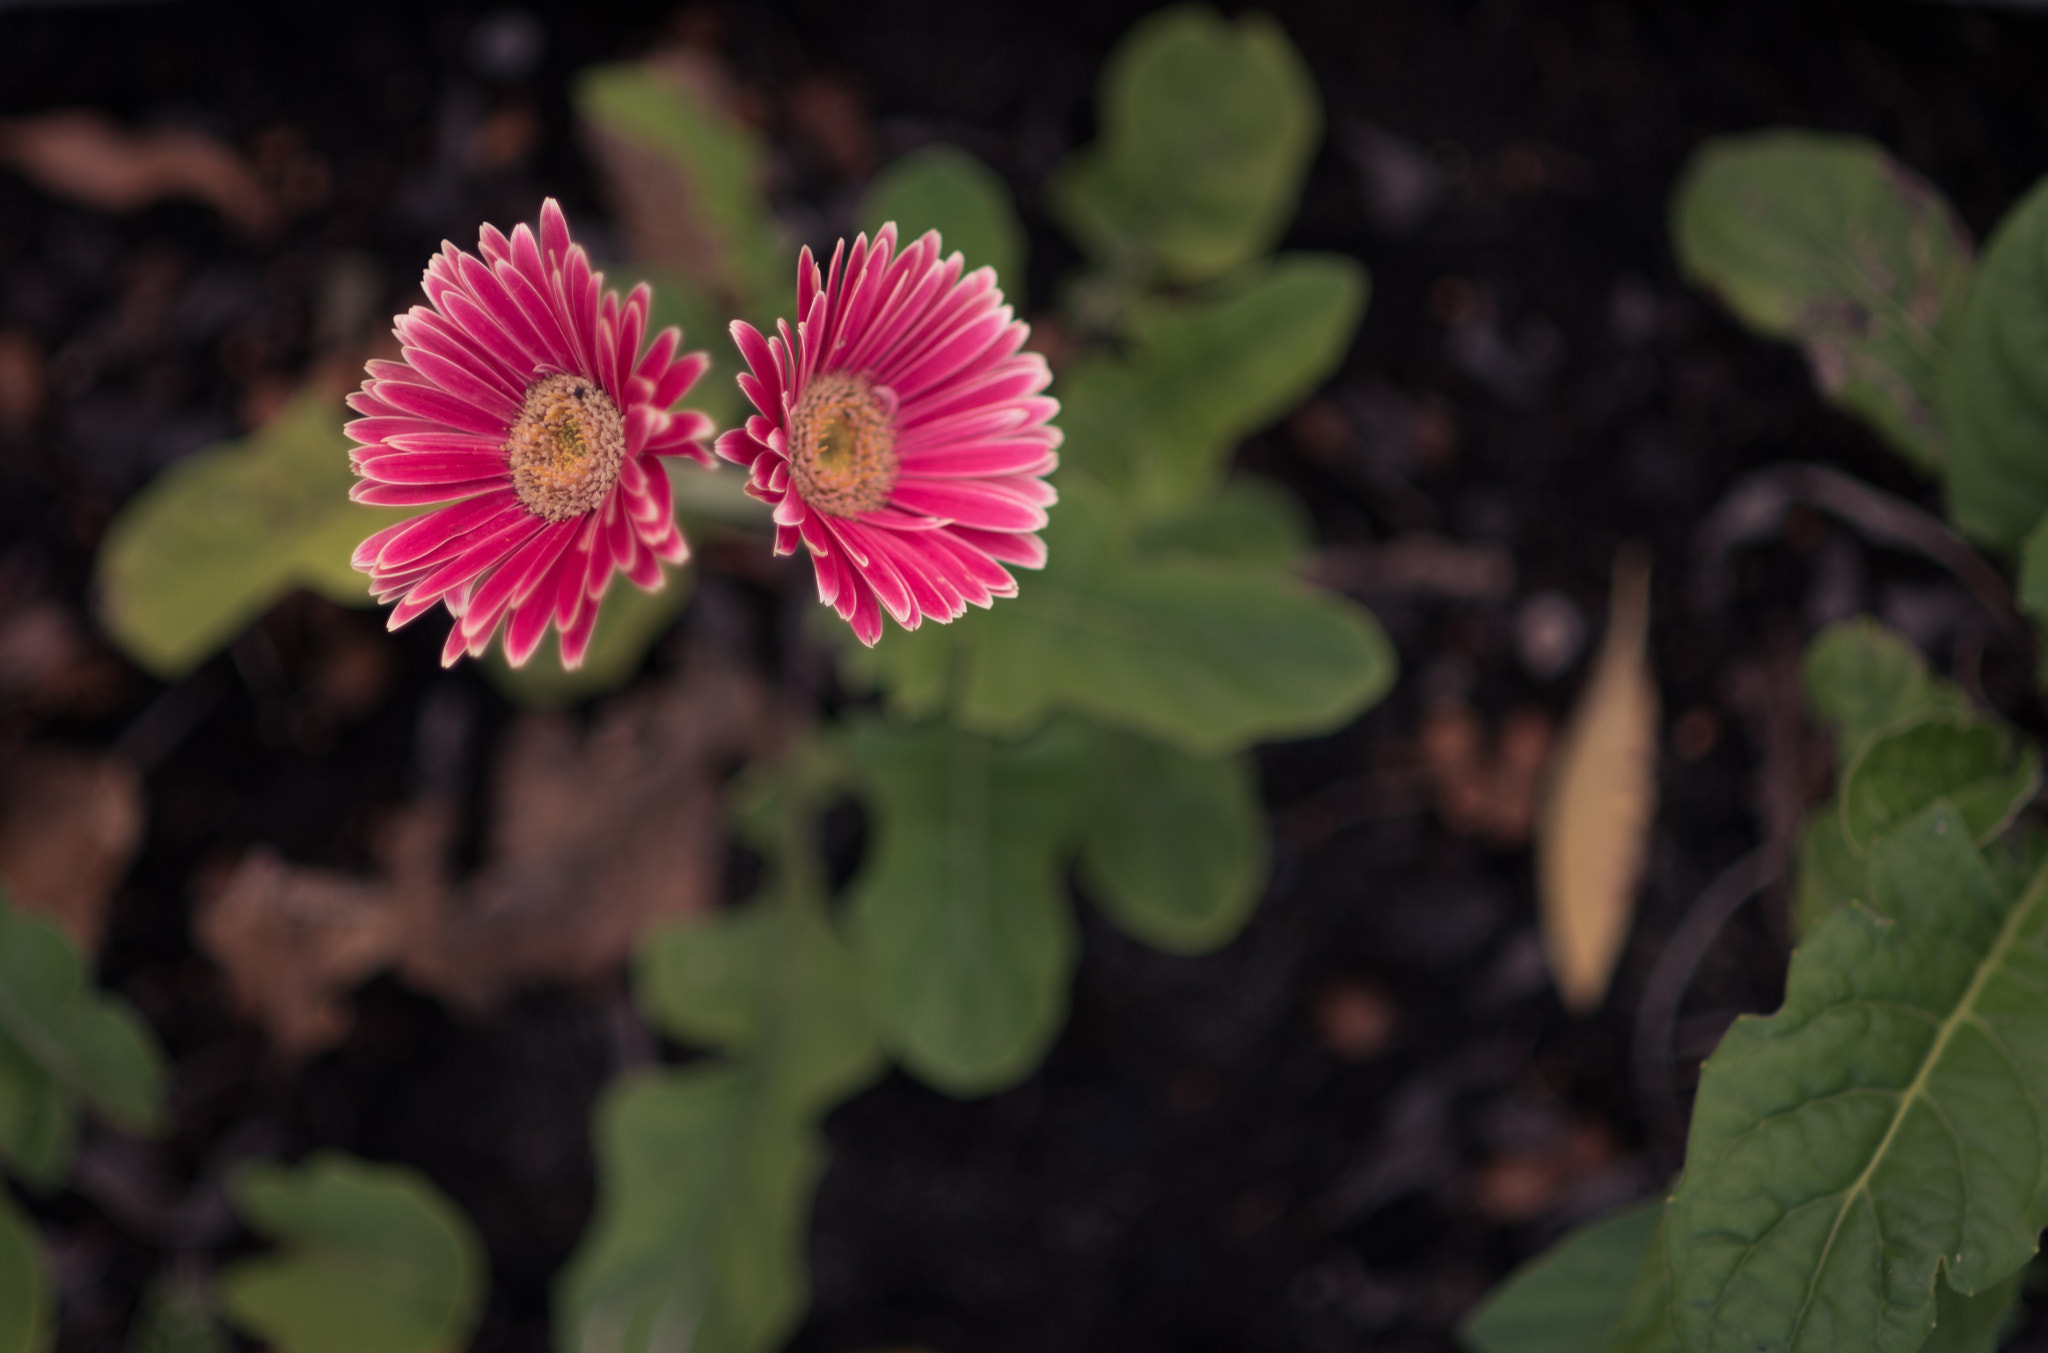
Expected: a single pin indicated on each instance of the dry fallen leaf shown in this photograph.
(88, 157)
(594, 836)
(1594, 827)
(70, 822)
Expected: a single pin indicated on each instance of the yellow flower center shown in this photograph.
(842, 445)
(566, 447)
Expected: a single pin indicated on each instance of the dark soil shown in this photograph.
(1218, 1155)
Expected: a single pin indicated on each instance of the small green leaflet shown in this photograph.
(705, 1175)
(1828, 241)
(28, 1306)
(1975, 1324)
(216, 539)
(1200, 373)
(1995, 386)
(1174, 848)
(1973, 763)
(1572, 1297)
(1208, 125)
(959, 915)
(63, 1044)
(175, 1317)
(373, 1260)
(1862, 678)
(1884, 1131)
(943, 188)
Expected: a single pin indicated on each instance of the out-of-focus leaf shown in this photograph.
(1829, 242)
(1830, 874)
(959, 915)
(1979, 1323)
(1204, 654)
(687, 177)
(374, 1260)
(1173, 847)
(28, 1306)
(1569, 1298)
(62, 1043)
(1203, 372)
(705, 1175)
(1208, 126)
(1862, 678)
(1995, 385)
(1249, 519)
(627, 626)
(218, 537)
(176, 1318)
(1593, 830)
(1975, 764)
(1644, 1325)
(1885, 1128)
(943, 188)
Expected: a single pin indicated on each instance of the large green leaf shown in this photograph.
(1829, 242)
(1887, 1129)
(1975, 764)
(62, 1043)
(374, 1260)
(1208, 126)
(1862, 678)
(943, 188)
(1174, 847)
(689, 178)
(1200, 373)
(1248, 519)
(1995, 385)
(28, 1306)
(959, 915)
(1570, 1298)
(213, 541)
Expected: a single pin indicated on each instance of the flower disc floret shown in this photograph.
(531, 406)
(901, 433)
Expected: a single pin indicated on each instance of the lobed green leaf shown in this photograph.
(219, 537)
(1862, 678)
(1174, 848)
(1887, 1130)
(959, 915)
(28, 1303)
(1208, 126)
(1971, 763)
(1828, 241)
(374, 1259)
(1995, 385)
(944, 188)
(62, 1043)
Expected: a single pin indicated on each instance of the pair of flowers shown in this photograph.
(900, 434)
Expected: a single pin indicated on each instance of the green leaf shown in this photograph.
(1995, 386)
(1567, 1299)
(374, 1260)
(219, 537)
(1208, 126)
(28, 1304)
(944, 188)
(1862, 678)
(1644, 1325)
(1251, 520)
(1829, 873)
(628, 624)
(2033, 579)
(62, 1043)
(1829, 242)
(176, 1318)
(959, 914)
(1975, 1324)
(1201, 373)
(690, 178)
(701, 981)
(704, 1188)
(1885, 1128)
(1174, 849)
(1972, 763)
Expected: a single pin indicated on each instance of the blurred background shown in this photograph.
(1335, 1133)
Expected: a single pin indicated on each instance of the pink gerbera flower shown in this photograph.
(901, 436)
(526, 405)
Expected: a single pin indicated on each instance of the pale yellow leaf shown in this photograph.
(1595, 823)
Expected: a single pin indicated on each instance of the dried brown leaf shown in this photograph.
(87, 157)
(70, 823)
(1594, 828)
